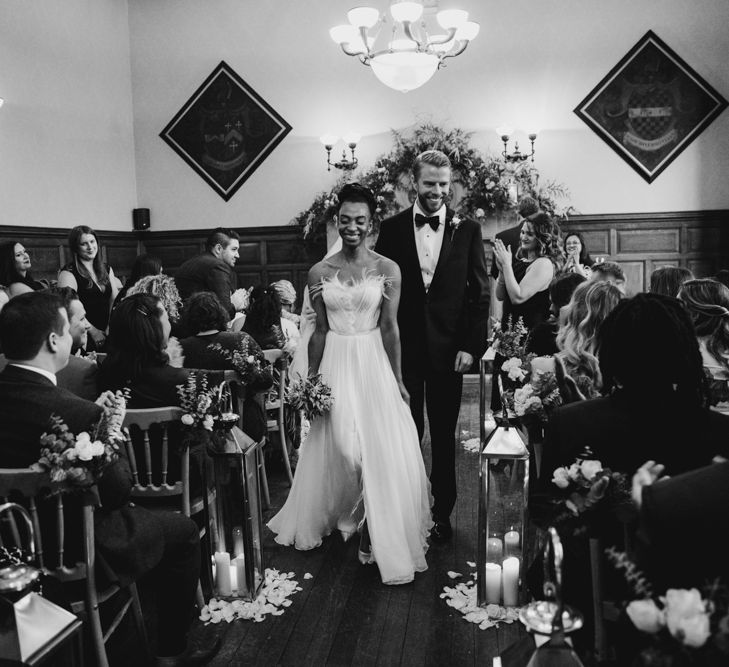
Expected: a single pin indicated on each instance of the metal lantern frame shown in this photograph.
(503, 452)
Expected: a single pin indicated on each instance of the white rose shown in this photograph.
(84, 447)
(686, 616)
(590, 468)
(187, 420)
(480, 213)
(513, 368)
(70, 454)
(208, 422)
(203, 403)
(574, 472)
(646, 616)
(250, 359)
(97, 448)
(561, 478)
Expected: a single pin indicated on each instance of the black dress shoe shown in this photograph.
(441, 531)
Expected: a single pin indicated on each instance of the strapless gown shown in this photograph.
(362, 458)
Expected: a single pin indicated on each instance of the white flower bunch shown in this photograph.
(525, 401)
(198, 401)
(240, 299)
(513, 368)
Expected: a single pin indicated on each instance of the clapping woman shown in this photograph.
(578, 258)
(92, 279)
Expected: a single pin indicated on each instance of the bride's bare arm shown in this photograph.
(319, 335)
(388, 323)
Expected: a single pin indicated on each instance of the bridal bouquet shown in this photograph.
(312, 396)
(79, 461)
(251, 368)
(685, 627)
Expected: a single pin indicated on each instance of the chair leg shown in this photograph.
(285, 454)
(97, 635)
(139, 620)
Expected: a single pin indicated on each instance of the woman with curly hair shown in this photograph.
(523, 283)
(577, 359)
(164, 288)
(707, 303)
(263, 319)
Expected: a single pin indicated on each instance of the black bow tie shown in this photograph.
(421, 220)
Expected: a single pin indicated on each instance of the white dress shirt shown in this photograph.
(428, 243)
(40, 371)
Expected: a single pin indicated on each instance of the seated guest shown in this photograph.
(165, 289)
(610, 272)
(263, 320)
(668, 279)
(542, 338)
(35, 335)
(577, 341)
(206, 319)
(15, 270)
(578, 258)
(707, 302)
(144, 265)
(212, 271)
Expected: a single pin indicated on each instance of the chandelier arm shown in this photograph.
(457, 51)
(443, 40)
(363, 37)
(407, 28)
(352, 53)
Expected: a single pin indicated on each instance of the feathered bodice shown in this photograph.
(353, 306)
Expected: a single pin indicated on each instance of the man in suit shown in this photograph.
(35, 335)
(212, 271)
(442, 316)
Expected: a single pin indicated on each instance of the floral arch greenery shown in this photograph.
(489, 183)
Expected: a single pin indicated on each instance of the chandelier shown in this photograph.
(413, 53)
(517, 156)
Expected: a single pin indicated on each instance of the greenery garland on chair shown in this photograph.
(487, 182)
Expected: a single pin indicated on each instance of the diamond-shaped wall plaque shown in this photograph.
(225, 131)
(650, 106)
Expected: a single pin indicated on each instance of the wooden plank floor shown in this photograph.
(345, 616)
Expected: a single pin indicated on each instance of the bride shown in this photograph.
(360, 466)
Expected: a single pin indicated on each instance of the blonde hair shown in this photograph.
(591, 303)
(164, 288)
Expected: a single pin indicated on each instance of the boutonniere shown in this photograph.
(454, 223)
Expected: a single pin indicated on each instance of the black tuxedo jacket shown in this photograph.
(453, 314)
(127, 537)
(207, 273)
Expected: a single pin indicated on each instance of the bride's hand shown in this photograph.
(403, 392)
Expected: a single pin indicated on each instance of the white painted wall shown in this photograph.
(66, 132)
(69, 153)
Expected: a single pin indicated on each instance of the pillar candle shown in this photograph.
(222, 573)
(240, 573)
(238, 540)
(233, 579)
(511, 582)
(511, 540)
(493, 583)
(494, 549)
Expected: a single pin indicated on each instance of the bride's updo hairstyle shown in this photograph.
(648, 350)
(357, 193)
(707, 302)
(548, 237)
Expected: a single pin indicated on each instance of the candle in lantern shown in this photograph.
(222, 573)
(511, 582)
(493, 583)
(237, 540)
(494, 549)
(240, 573)
(511, 540)
(233, 579)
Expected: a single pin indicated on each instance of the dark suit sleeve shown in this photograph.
(384, 245)
(477, 296)
(221, 283)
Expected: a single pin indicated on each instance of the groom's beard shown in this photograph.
(429, 205)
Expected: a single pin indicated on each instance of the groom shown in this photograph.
(443, 315)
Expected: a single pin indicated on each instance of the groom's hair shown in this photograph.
(436, 158)
(357, 193)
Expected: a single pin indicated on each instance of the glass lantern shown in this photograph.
(503, 497)
(238, 566)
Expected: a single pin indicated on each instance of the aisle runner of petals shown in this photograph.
(273, 599)
(463, 598)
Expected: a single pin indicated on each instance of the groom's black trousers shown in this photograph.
(440, 391)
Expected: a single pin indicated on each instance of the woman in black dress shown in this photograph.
(15, 270)
(93, 281)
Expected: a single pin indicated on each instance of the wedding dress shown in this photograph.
(362, 459)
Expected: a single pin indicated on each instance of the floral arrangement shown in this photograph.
(79, 461)
(490, 183)
(508, 341)
(538, 396)
(586, 483)
(201, 407)
(251, 368)
(312, 396)
(240, 299)
(684, 626)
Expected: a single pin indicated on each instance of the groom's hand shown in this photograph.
(464, 361)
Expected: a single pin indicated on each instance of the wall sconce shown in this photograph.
(517, 156)
(351, 140)
(2, 101)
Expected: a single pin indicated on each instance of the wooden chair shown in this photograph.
(604, 609)
(30, 489)
(276, 405)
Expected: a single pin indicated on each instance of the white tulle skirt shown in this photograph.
(361, 460)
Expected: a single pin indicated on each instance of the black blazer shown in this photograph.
(127, 537)
(207, 273)
(453, 314)
(510, 237)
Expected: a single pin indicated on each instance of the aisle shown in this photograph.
(345, 616)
